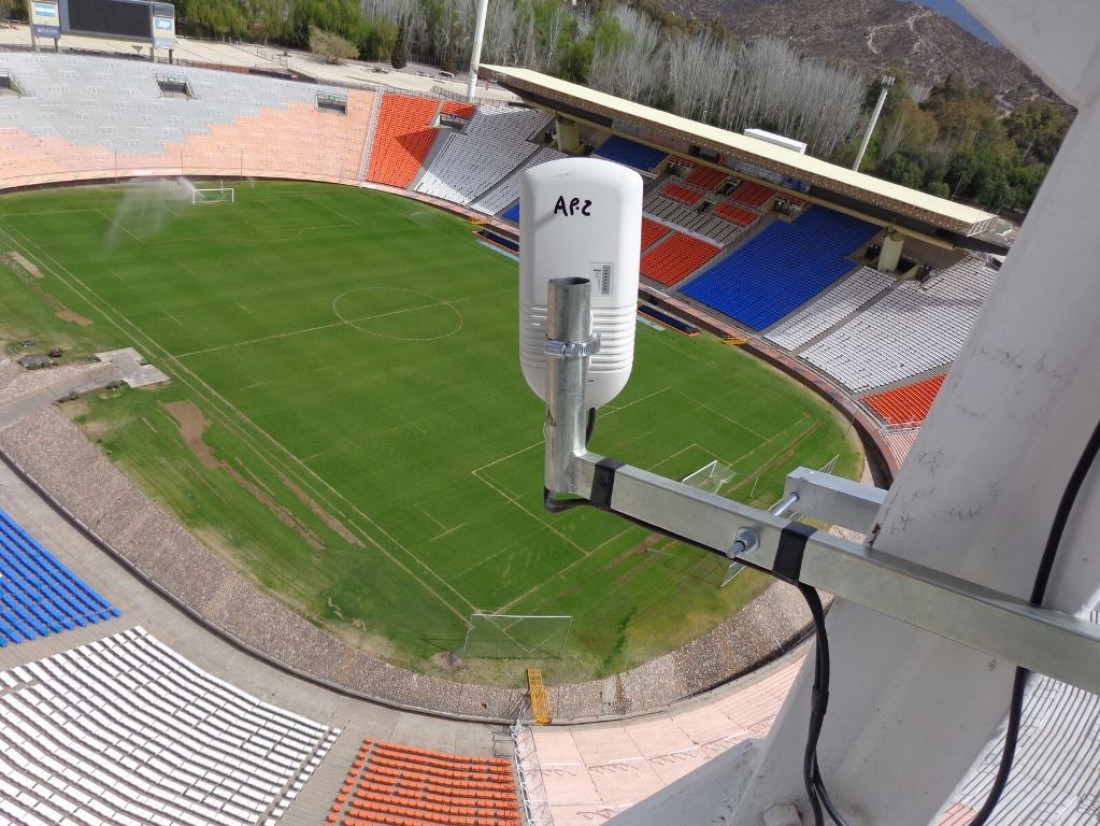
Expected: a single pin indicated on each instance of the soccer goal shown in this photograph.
(711, 477)
(516, 636)
(213, 194)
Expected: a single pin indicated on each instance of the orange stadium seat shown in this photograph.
(908, 404)
(402, 139)
(683, 194)
(735, 214)
(705, 178)
(459, 110)
(676, 258)
(755, 195)
(395, 785)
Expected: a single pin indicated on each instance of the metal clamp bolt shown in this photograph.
(746, 540)
(572, 349)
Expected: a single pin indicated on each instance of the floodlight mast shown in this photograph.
(981, 618)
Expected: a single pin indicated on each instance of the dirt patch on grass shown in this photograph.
(25, 265)
(74, 317)
(334, 524)
(192, 425)
(31, 275)
(640, 548)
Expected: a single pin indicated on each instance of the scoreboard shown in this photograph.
(120, 19)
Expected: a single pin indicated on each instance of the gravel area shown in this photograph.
(15, 382)
(52, 451)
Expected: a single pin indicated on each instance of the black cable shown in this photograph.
(1038, 594)
(819, 705)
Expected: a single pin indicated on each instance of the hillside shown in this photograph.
(875, 35)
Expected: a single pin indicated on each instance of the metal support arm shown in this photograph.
(1039, 639)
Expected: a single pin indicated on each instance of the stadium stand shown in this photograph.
(39, 596)
(830, 308)
(512, 213)
(753, 194)
(781, 268)
(911, 329)
(86, 118)
(908, 404)
(735, 214)
(684, 194)
(628, 153)
(690, 218)
(459, 110)
(406, 786)
(507, 191)
(124, 730)
(652, 232)
(505, 125)
(702, 176)
(402, 140)
(492, 146)
(677, 257)
(464, 167)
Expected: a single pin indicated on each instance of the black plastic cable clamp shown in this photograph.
(603, 483)
(792, 547)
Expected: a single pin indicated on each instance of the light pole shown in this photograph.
(887, 82)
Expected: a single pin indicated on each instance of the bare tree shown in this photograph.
(633, 69)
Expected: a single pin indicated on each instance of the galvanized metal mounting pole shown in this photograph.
(568, 336)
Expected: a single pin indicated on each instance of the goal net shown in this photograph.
(516, 636)
(711, 477)
(213, 194)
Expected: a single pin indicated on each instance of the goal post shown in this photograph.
(516, 636)
(213, 194)
(711, 477)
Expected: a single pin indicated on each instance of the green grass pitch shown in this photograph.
(371, 452)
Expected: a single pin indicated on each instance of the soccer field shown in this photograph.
(347, 421)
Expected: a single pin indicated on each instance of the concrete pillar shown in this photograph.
(569, 140)
(892, 246)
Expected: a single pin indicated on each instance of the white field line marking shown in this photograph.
(333, 211)
(112, 221)
(721, 415)
(447, 532)
(515, 501)
(439, 524)
(329, 326)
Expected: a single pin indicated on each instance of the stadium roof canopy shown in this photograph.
(881, 201)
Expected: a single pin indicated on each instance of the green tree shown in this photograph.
(1038, 130)
(331, 47)
(341, 17)
(905, 169)
(218, 17)
(399, 56)
(378, 40)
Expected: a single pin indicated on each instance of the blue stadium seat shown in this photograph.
(783, 267)
(38, 594)
(632, 154)
(512, 213)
